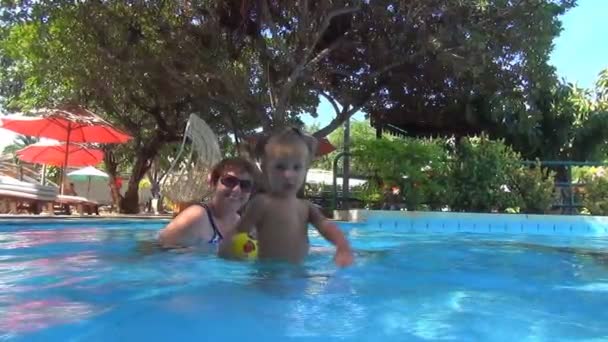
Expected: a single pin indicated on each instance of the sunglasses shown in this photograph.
(231, 181)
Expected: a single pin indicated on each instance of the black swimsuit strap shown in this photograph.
(216, 231)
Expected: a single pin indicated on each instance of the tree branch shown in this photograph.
(306, 61)
(388, 68)
(344, 115)
(331, 101)
(281, 104)
(324, 27)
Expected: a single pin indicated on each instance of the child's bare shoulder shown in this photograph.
(304, 203)
(315, 214)
(260, 202)
(305, 206)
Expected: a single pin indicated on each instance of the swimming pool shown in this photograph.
(91, 281)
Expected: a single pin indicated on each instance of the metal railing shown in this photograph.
(25, 172)
(334, 198)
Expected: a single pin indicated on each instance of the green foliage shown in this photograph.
(53, 173)
(135, 64)
(534, 188)
(147, 65)
(360, 131)
(481, 175)
(19, 142)
(418, 167)
(562, 122)
(372, 195)
(483, 70)
(581, 174)
(249, 63)
(595, 199)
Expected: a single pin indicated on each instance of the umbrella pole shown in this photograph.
(43, 175)
(65, 161)
(89, 186)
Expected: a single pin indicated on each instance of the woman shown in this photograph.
(209, 223)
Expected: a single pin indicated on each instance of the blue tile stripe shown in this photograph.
(449, 222)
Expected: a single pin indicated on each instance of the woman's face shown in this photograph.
(233, 188)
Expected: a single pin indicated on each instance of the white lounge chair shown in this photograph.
(18, 195)
(83, 205)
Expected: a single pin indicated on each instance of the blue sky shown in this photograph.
(581, 51)
(579, 54)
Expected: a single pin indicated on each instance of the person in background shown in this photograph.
(72, 190)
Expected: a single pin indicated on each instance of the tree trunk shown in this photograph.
(129, 203)
(145, 154)
(111, 168)
(115, 192)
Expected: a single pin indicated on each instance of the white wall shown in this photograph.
(100, 191)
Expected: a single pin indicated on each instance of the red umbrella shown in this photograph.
(53, 153)
(67, 123)
(324, 146)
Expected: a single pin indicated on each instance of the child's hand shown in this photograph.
(344, 257)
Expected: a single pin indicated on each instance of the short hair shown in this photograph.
(233, 163)
(288, 136)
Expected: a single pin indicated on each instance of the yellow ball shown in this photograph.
(244, 247)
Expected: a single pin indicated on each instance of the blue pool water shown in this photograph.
(103, 282)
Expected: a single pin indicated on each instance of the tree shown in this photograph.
(19, 142)
(563, 122)
(119, 59)
(245, 64)
(450, 64)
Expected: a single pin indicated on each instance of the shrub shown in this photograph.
(595, 198)
(534, 188)
(417, 166)
(481, 173)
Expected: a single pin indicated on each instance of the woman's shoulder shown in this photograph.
(195, 210)
(186, 227)
(190, 217)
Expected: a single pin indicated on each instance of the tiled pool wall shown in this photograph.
(448, 222)
(18, 223)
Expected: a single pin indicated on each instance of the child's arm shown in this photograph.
(331, 232)
(252, 215)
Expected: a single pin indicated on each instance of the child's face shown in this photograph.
(286, 167)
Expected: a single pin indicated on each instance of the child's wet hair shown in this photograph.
(288, 136)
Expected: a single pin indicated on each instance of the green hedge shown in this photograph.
(475, 174)
(595, 197)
